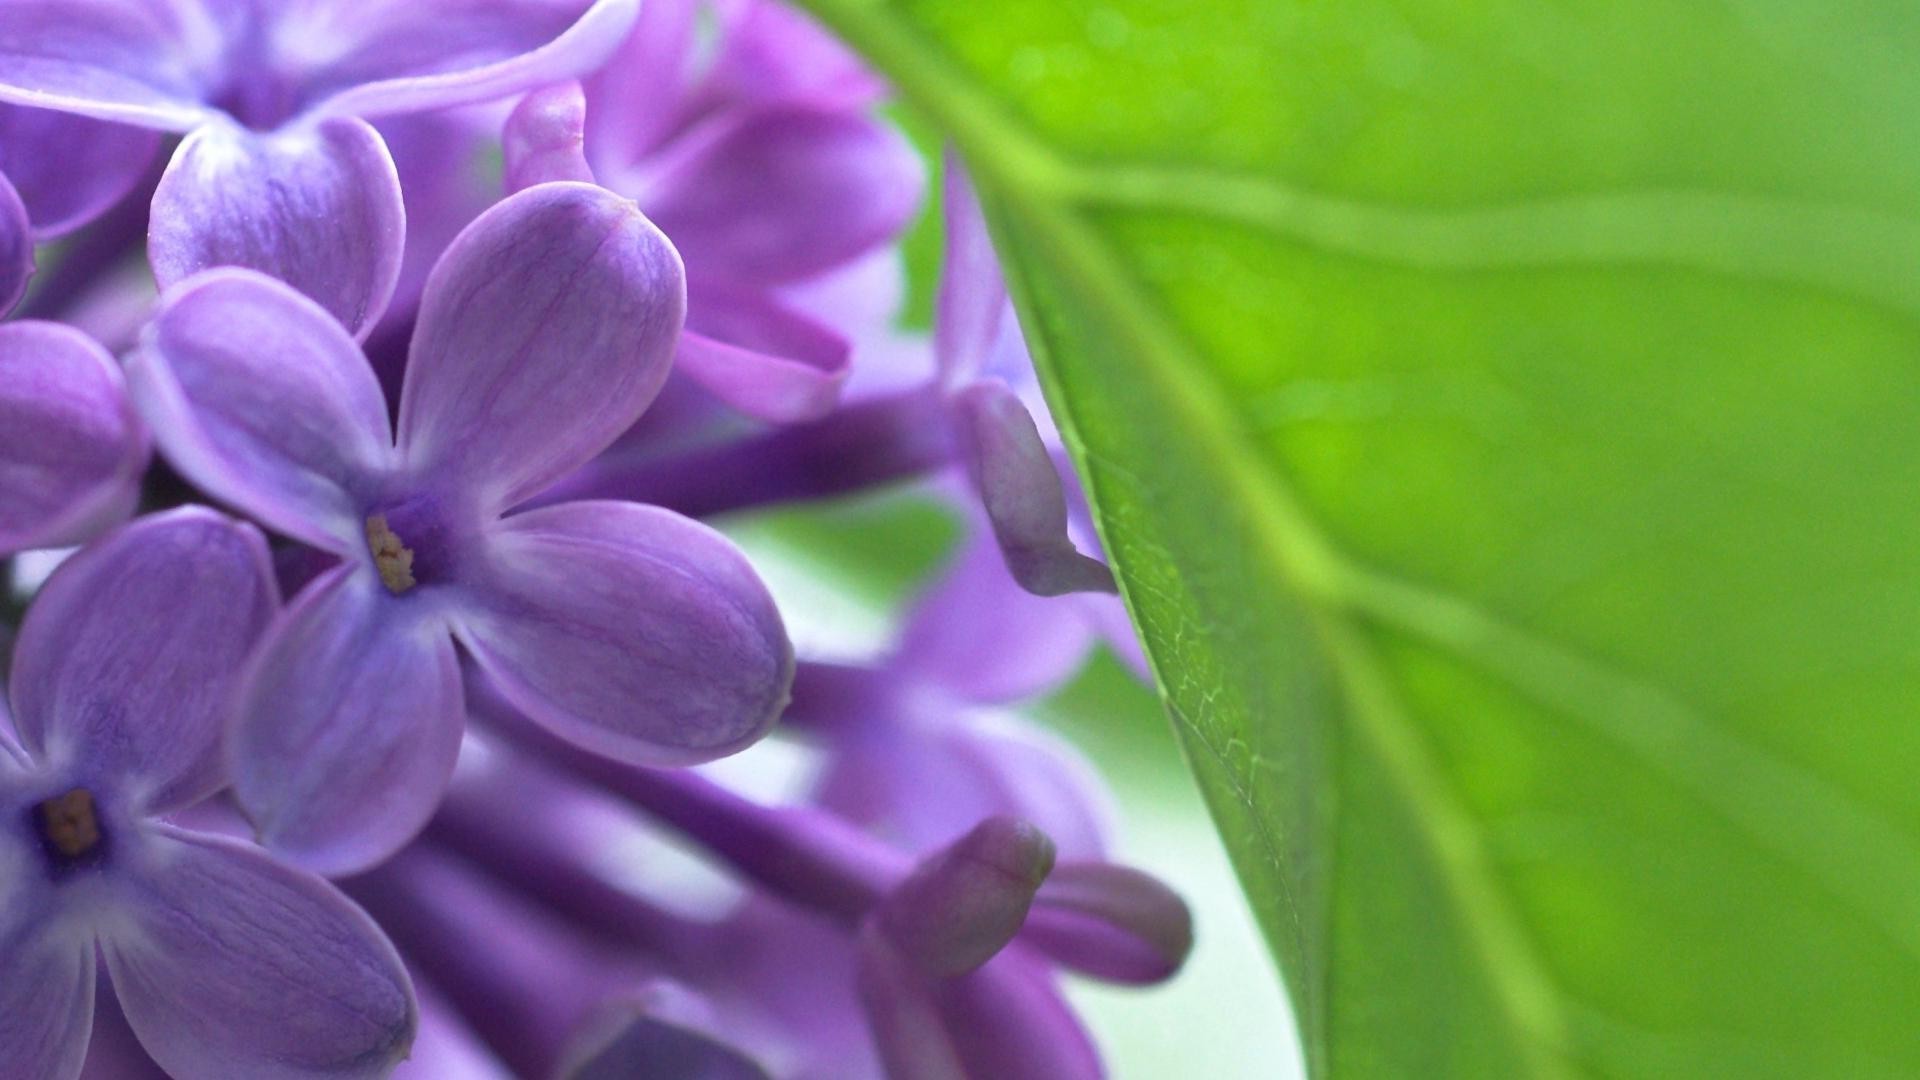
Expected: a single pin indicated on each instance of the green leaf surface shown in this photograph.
(1503, 418)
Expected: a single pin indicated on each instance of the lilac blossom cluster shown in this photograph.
(466, 315)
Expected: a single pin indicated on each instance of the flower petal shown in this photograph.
(260, 398)
(639, 96)
(545, 138)
(545, 331)
(430, 54)
(317, 206)
(71, 448)
(16, 246)
(1111, 922)
(1015, 477)
(982, 638)
(46, 1005)
(771, 52)
(665, 1031)
(349, 724)
(972, 308)
(629, 630)
(762, 358)
(231, 964)
(137, 63)
(781, 194)
(128, 657)
(70, 169)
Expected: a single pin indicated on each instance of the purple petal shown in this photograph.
(1005, 1020)
(1111, 922)
(984, 639)
(778, 195)
(230, 964)
(430, 54)
(71, 448)
(922, 780)
(317, 206)
(771, 52)
(46, 1004)
(962, 906)
(1008, 1021)
(545, 138)
(668, 1032)
(636, 99)
(70, 169)
(137, 63)
(129, 657)
(629, 630)
(907, 1026)
(1015, 476)
(544, 333)
(762, 358)
(349, 724)
(972, 308)
(260, 398)
(16, 246)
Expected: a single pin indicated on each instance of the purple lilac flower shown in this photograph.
(957, 951)
(225, 962)
(544, 333)
(982, 413)
(763, 164)
(72, 450)
(280, 171)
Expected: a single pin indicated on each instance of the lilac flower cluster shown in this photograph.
(356, 775)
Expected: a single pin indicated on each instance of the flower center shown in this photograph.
(69, 826)
(393, 559)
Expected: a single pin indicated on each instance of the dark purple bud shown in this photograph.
(962, 906)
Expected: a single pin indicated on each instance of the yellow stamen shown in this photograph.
(392, 558)
(69, 824)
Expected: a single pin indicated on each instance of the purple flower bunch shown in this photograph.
(388, 765)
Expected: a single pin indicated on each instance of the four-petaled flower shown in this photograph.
(544, 332)
(280, 171)
(226, 962)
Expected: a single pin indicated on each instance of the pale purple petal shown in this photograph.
(259, 397)
(1016, 479)
(972, 308)
(70, 169)
(907, 1027)
(629, 630)
(545, 138)
(16, 246)
(138, 63)
(981, 637)
(545, 331)
(71, 448)
(1009, 1021)
(764, 359)
(46, 1004)
(129, 656)
(348, 725)
(922, 780)
(430, 54)
(231, 964)
(772, 52)
(638, 98)
(781, 194)
(1111, 922)
(316, 205)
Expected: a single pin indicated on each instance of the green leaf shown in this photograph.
(1503, 418)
